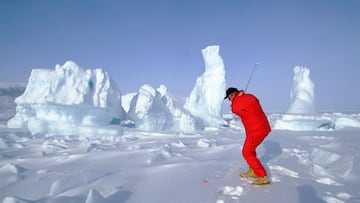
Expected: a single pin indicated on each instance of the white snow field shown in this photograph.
(74, 137)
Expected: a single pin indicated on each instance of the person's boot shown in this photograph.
(261, 181)
(248, 174)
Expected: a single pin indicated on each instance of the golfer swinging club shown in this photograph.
(257, 127)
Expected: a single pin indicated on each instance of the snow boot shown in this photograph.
(261, 181)
(248, 174)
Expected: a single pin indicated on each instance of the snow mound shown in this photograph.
(10, 168)
(161, 156)
(206, 143)
(233, 191)
(207, 95)
(68, 95)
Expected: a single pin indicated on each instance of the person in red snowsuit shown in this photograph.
(257, 127)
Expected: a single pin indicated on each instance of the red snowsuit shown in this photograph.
(257, 127)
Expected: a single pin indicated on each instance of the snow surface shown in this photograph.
(54, 153)
(153, 166)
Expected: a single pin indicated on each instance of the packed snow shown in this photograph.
(74, 137)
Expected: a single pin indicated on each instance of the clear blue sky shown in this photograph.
(160, 41)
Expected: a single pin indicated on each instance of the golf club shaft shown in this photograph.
(251, 75)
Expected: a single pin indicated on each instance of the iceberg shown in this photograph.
(153, 109)
(64, 98)
(207, 96)
(302, 92)
(302, 114)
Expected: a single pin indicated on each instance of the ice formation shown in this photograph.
(302, 105)
(71, 100)
(68, 96)
(153, 109)
(302, 115)
(206, 98)
(302, 92)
